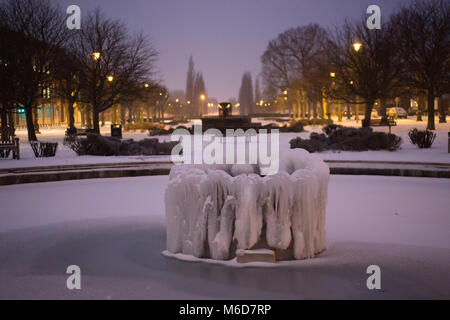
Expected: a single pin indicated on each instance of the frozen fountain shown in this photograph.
(218, 211)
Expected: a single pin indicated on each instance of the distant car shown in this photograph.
(397, 112)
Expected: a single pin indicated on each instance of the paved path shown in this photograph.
(135, 169)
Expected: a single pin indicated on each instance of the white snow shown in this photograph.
(114, 229)
(206, 201)
(65, 156)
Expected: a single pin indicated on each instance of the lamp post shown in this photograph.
(96, 55)
(203, 98)
(356, 46)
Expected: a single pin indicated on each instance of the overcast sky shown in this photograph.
(226, 38)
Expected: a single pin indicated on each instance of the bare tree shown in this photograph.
(289, 62)
(42, 29)
(115, 64)
(364, 74)
(70, 78)
(423, 40)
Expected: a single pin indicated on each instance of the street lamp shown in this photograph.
(96, 55)
(332, 74)
(146, 85)
(357, 46)
(203, 97)
(110, 78)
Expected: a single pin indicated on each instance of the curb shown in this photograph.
(138, 169)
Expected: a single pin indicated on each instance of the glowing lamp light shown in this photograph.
(96, 55)
(332, 74)
(110, 78)
(357, 46)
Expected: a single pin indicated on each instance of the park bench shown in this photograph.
(9, 142)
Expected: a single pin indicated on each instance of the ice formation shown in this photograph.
(214, 210)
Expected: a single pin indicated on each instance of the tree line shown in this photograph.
(99, 66)
(408, 57)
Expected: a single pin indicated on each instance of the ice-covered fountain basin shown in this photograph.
(214, 210)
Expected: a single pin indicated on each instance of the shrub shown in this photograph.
(307, 144)
(44, 149)
(159, 132)
(421, 138)
(97, 145)
(348, 139)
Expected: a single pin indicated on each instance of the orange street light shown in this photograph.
(110, 78)
(96, 55)
(203, 97)
(357, 46)
(332, 74)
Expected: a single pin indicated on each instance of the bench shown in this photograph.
(9, 142)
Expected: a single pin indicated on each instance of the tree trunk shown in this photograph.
(442, 112)
(35, 118)
(430, 100)
(71, 111)
(383, 110)
(368, 113)
(95, 119)
(4, 117)
(30, 123)
(315, 109)
(339, 112)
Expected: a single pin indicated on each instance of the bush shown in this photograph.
(348, 139)
(308, 144)
(422, 138)
(296, 126)
(44, 149)
(98, 145)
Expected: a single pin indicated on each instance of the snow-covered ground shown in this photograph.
(65, 156)
(114, 229)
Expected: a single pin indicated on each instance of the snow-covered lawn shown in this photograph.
(114, 229)
(65, 156)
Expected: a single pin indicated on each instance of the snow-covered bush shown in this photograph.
(214, 210)
(422, 138)
(98, 145)
(347, 139)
